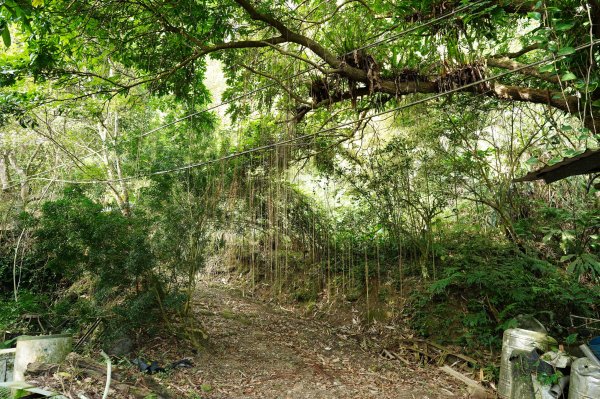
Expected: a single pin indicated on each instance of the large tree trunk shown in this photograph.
(119, 189)
(22, 177)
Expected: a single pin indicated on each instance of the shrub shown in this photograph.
(100, 261)
(485, 283)
(78, 235)
(11, 312)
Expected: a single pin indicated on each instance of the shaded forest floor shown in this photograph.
(261, 350)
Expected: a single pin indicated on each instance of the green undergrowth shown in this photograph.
(482, 283)
(12, 312)
(485, 282)
(85, 262)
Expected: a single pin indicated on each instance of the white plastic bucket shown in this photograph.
(585, 380)
(42, 349)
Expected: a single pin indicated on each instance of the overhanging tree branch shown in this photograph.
(510, 64)
(242, 44)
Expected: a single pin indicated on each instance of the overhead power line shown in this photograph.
(319, 132)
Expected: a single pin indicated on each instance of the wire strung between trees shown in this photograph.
(319, 132)
(259, 89)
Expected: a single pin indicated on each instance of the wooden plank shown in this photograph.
(475, 389)
(587, 162)
(461, 377)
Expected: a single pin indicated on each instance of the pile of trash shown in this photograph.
(534, 366)
(44, 365)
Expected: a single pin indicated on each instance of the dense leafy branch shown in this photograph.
(173, 54)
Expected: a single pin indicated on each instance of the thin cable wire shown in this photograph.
(314, 134)
(181, 119)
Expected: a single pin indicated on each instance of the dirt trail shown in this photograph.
(262, 351)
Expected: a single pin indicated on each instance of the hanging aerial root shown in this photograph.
(456, 77)
(435, 10)
(361, 60)
(320, 89)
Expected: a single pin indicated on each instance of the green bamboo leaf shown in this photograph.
(6, 36)
(554, 161)
(532, 161)
(567, 257)
(566, 51)
(562, 26)
(568, 76)
(573, 265)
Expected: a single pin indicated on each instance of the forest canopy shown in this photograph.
(354, 149)
(342, 52)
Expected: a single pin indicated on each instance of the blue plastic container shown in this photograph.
(595, 346)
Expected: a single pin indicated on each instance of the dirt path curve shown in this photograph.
(262, 351)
